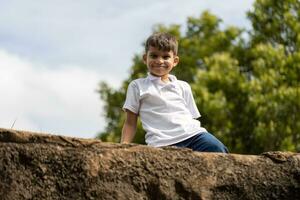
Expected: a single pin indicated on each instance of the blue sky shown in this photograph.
(53, 54)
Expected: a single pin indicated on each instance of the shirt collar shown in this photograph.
(156, 78)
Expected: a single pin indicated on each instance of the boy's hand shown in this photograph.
(129, 127)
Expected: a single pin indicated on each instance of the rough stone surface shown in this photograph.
(40, 166)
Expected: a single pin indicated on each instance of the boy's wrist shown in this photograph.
(125, 142)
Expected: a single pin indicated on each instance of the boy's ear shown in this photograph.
(145, 58)
(176, 60)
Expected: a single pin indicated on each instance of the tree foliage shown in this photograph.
(246, 87)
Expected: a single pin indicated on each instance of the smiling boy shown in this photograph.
(164, 104)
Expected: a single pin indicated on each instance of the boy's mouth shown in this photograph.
(159, 66)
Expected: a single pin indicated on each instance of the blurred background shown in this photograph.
(65, 66)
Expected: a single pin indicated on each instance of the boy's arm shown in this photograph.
(129, 127)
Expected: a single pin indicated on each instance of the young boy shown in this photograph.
(164, 104)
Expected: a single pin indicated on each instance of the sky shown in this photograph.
(54, 53)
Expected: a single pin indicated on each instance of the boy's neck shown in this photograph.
(164, 78)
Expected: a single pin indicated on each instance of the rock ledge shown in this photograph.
(42, 166)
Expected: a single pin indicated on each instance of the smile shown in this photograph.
(159, 66)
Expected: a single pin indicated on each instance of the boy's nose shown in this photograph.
(159, 60)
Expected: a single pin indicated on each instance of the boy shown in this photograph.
(165, 105)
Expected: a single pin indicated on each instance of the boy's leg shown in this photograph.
(185, 143)
(206, 142)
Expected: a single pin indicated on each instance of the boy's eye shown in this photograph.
(166, 57)
(153, 56)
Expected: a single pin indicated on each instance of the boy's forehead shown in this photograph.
(157, 50)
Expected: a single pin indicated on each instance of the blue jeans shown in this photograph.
(204, 142)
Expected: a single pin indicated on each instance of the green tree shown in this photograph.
(274, 63)
(276, 22)
(247, 90)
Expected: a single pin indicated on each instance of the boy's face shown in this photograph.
(160, 62)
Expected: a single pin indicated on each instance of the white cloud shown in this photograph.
(57, 101)
(93, 33)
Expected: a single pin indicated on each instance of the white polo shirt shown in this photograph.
(167, 110)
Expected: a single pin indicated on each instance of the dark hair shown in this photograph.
(162, 41)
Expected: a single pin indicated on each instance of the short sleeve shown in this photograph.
(188, 97)
(132, 102)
